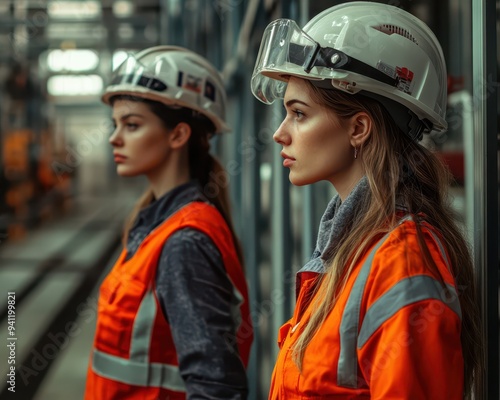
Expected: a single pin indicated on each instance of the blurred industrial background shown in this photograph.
(62, 206)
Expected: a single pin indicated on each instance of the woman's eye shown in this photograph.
(131, 126)
(298, 113)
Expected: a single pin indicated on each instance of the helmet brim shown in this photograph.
(145, 93)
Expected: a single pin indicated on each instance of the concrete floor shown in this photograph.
(45, 269)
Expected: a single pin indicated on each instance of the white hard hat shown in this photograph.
(376, 49)
(174, 76)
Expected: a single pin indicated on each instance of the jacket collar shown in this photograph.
(334, 224)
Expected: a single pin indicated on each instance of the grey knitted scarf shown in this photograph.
(334, 224)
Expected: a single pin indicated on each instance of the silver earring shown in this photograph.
(355, 152)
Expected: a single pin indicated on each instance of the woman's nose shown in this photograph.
(115, 138)
(281, 136)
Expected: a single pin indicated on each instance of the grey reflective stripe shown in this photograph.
(137, 373)
(137, 370)
(347, 369)
(348, 361)
(441, 249)
(236, 301)
(143, 327)
(405, 292)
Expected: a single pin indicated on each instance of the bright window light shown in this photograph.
(76, 32)
(265, 171)
(72, 60)
(74, 9)
(75, 85)
(123, 8)
(125, 31)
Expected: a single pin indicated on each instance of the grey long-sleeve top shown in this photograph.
(195, 295)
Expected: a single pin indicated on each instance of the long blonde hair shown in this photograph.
(203, 167)
(397, 167)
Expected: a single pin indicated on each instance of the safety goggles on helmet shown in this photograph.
(286, 51)
(373, 49)
(174, 76)
(132, 72)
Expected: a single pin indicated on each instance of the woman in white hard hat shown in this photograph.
(386, 307)
(173, 317)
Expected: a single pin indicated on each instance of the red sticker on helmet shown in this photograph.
(405, 78)
(190, 82)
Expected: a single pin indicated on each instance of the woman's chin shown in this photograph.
(298, 181)
(125, 172)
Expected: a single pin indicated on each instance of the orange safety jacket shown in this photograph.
(393, 333)
(134, 356)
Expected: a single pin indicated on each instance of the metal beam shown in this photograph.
(485, 237)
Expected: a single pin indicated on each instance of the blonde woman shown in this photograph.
(386, 307)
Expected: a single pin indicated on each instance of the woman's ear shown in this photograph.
(361, 129)
(180, 135)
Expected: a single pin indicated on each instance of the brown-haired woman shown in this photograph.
(173, 318)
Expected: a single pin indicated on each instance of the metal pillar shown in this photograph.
(281, 239)
(309, 233)
(485, 235)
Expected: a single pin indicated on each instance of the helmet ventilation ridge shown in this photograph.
(393, 29)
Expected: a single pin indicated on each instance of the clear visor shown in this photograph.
(285, 50)
(133, 72)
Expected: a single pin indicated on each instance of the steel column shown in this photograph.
(485, 235)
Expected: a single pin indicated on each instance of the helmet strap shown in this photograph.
(317, 56)
(405, 119)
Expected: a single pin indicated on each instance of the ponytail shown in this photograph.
(211, 176)
(221, 200)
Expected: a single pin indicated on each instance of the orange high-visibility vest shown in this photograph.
(134, 356)
(393, 333)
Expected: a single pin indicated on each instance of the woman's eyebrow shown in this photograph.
(131, 115)
(293, 101)
(125, 116)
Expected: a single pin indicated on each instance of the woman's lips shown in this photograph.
(119, 158)
(288, 161)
